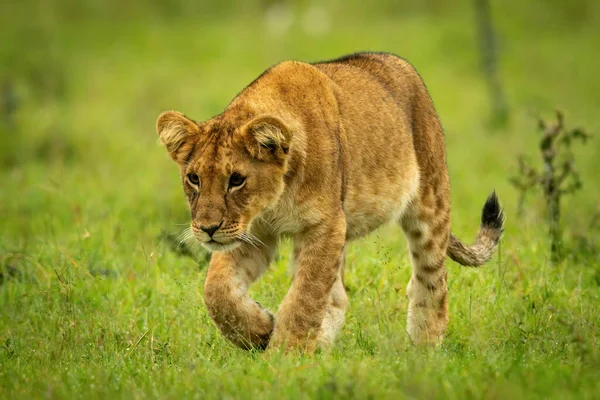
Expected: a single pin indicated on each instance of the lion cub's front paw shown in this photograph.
(289, 341)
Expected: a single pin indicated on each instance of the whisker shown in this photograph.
(185, 231)
(247, 239)
(255, 238)
(266, 221)
(186, 236)
(252, 242)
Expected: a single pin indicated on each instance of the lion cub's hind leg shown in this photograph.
(426, 224)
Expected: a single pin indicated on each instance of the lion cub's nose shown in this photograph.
(210, 229)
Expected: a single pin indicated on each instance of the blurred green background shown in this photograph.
(96, 297)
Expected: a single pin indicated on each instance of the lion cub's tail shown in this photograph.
(490, 231)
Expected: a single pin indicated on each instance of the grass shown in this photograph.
(94, 302)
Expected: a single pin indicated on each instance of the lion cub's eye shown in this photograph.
(193, 179)
(236, 180)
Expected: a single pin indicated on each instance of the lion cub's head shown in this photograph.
(231, 171)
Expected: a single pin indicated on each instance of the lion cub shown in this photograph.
(323, 153)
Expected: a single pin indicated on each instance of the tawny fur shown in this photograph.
(329, 152)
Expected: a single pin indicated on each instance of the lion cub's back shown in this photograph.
(375, 94)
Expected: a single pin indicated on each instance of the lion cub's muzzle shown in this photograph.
(217, 237)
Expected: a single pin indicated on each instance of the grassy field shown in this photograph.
(95, 302)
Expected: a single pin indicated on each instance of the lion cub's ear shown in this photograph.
(267, 138)
(178, 133)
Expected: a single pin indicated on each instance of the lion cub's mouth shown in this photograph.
(213, 246)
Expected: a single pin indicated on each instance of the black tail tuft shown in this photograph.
(488, 237)
(492, 215)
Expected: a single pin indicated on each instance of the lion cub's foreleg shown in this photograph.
(336, 309)
(316, 289)
(427, 227)
(242, 320)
